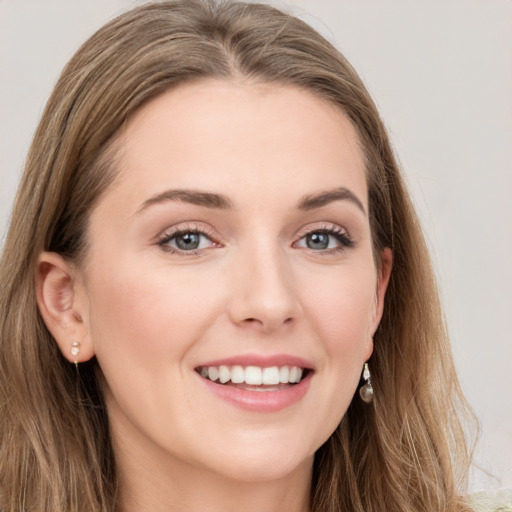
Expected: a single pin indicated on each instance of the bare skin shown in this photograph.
(236, 234)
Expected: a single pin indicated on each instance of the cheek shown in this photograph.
(342, 317)
(343, 313)
(145, 326)
(145, 319)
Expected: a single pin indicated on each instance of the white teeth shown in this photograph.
(237, 374)
(271, 376)
(213, 373)
(253, 375)
(224, 374)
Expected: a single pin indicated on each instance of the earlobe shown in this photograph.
(63, 313)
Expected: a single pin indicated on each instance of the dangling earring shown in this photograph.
(366, 390)
(75, 350)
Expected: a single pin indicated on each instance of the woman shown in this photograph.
(211, 251)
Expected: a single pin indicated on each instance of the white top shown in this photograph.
(496, 501)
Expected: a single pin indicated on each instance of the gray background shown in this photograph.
(441, 75)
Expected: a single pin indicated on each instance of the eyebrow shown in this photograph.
(198, 198)
(310, 202)
(222, 202)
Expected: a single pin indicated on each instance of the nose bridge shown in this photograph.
(264, 292)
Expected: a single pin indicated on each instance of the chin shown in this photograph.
(261, 456)
(259, 469)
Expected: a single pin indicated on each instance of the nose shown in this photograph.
(264, 296)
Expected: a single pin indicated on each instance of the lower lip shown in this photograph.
(260, 401)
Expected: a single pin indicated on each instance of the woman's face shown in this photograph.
(235, 246)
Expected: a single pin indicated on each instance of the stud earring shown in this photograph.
(75, 350)
(366, 390)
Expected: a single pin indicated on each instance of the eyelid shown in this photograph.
(322, 227)
(341, 234)
(189, 227)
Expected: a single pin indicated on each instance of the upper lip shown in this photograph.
(263, 361)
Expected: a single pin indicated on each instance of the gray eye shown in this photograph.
(188, 241)
(317, 241)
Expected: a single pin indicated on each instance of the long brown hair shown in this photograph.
(405, 452)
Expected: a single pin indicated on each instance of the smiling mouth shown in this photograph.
(254, 378)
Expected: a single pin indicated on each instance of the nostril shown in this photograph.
(266, 322)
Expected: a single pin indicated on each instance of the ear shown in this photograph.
(62, 306)
(384, 273)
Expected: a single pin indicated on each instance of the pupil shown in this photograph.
(188, 241)
(317, 241)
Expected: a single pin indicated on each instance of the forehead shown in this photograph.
(214, 133)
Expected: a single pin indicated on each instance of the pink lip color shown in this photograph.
(260, 401)
(261, 361)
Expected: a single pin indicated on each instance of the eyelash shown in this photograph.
(339, 234)
(164, 240)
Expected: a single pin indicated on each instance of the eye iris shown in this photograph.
(317, 240)
(187, 241)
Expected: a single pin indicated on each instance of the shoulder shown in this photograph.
(495, 501)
